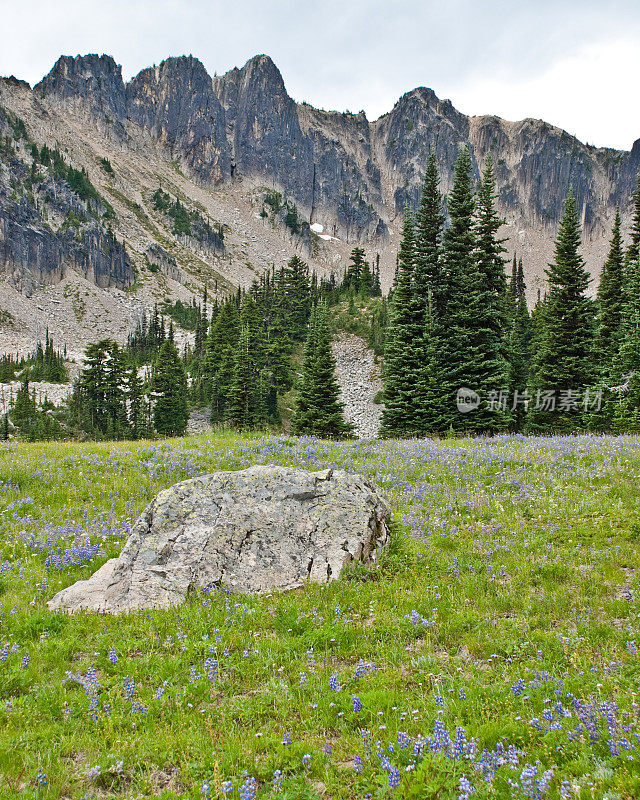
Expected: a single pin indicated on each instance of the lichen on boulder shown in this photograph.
(252, 531)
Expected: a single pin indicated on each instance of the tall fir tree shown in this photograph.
(169, 389)
(136, 405)
(428, 304)
(219, 357)
(100, 403)
(513, 283)
(519, 346)
(610, 301)
(429, 275)
(355, 270)
(565, 364)
(242, 404)
(491, 324)
(402, 354)
(318, 408)
(633, 251)
(24, 414)
(293, 290)
(459, 350)
(625, 397)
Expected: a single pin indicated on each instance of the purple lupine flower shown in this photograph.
(248, 788)
(465, 788)
(394, 778)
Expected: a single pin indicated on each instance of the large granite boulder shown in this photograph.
(258, 529)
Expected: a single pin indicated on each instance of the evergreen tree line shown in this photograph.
(34, 421)
(114, 399)
(243, 363)
(462, 351)
(243, 359)
(44, 364)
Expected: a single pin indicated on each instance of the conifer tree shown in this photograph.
(355, 270)
(376, 289)
(242, 403)
(459, 353)
(293, 290)
(610, 303)
(252, 320)
(318, 408)
(428, 305)
(519, 346)
(218, 361)
(402, 355)
(565, 362)
(135, 402)
(513, 283)
(100, 403)
(366, 281)
(429, 278)
(24, 411)
(491, 340)
(628, 359)
(624, 400)
(633, 251)
(169, 389)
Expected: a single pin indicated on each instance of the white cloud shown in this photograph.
(589, 94)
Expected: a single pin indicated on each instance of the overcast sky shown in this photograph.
(574, 63)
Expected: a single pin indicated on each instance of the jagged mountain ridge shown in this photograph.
(244, 124)
(217, 142)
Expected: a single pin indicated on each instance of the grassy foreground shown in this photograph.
(493, 652)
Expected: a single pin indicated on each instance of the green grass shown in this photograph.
(518, 556)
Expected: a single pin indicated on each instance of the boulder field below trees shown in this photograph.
(254, 530)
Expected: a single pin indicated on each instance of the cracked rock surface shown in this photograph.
(253, 530)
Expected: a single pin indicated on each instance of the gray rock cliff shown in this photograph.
(242, 131)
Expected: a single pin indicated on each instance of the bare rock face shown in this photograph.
(262, 528)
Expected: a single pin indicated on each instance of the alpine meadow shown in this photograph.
(320, 430)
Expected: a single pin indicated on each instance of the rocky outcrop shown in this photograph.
(32, 251)
(92, 86)
(255, 530)
(264, 130)
(176, 104)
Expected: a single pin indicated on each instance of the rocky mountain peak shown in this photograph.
(92, 81)
(186, 69)
(261, 71)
